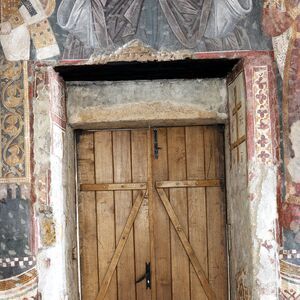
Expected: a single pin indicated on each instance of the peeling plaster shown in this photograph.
(262, 187)
(41, 143)
(50, 183)
(48, 235)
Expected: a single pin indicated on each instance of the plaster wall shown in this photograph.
(238, 205)
(55, 209)
(144, 103)
(263, 164)
(252, 180)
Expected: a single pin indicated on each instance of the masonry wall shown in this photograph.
(33, 124)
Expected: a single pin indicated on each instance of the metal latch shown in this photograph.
(146, 276)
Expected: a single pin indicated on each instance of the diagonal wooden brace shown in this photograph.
(121, 244)
(187, 246)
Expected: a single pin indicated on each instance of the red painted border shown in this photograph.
(196, 55)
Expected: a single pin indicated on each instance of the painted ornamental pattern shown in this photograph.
(14, 118)
(20, 287)
(262, 128)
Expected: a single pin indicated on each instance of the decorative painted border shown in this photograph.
(19, 287)
(290, 281)
(26, 133)
(57, 99)
(289, 254)
(262, 128)
(17, 262)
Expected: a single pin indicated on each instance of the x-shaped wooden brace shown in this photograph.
(182, 236)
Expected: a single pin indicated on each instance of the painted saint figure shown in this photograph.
(102, 24)
(25, 20)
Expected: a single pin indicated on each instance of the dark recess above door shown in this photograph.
(179, 69)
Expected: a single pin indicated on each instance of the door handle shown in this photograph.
(146, 276)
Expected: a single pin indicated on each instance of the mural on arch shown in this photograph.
(69, 29)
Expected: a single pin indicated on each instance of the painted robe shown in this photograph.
(27, 20)
(102, 24)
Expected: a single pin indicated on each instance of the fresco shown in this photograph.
(15, 254)
(77, 29)
(14, 120)
(23, 21)
(281, 21)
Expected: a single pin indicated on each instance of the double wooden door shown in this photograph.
(152, 214)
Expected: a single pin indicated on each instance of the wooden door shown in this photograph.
(152, 196)
(188, 172)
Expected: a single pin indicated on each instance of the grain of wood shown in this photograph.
(187, 246)
(151, 212)
(178, 199)
(161, 223)
(188, 183)
(139, 148)
(105, 209)
(216, 214)
(121, 245)
(123, 204)
(87, 219)
(113, 166)
(113, 186)
(197, 205)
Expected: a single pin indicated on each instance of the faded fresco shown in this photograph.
(18, 275)
(69, 29)
(14, 118)
(23, 21)
(281, 21)
(81, 29)
(15, 253)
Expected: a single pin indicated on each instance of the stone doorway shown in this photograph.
(251, 162)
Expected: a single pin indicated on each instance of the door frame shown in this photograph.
(262, 207)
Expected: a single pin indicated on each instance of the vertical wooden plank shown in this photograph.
(161, 223)
(123, 204)
(178, 199)
(151, 212)
(87, 218)
(121, 244)
(217, 256)
(196, 205)
(186, 244)
(105, 208)
(141, 225)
